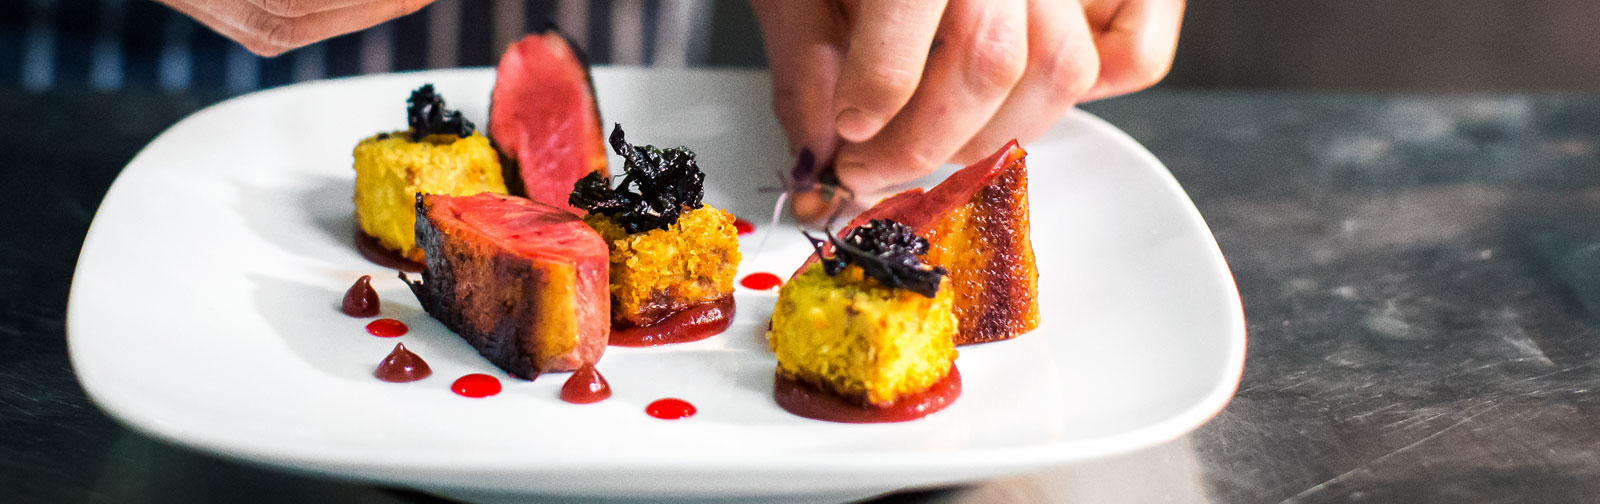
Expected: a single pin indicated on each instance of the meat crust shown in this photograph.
(524, 283)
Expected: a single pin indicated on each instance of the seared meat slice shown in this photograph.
(978, 227)
(544, 119)
(523, 282)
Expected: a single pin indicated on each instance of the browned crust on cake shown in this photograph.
(661, 304)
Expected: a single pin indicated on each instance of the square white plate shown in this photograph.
(204, 313)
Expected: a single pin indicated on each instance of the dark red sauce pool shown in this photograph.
(402, 366)
(692, 324)
(360, 300)
(805, 399)
(761, 281)
(744, 226)
(585, 386)
(476, 385)
(387, 328)
(670, 409)
(374, 251)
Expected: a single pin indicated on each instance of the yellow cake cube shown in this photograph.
(391, 169)
(659, 272)
(850, 335)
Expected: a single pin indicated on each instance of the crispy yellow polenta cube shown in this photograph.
(391, 170)
(852, 336)
(659, 272)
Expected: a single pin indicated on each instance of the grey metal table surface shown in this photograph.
(1420, 277)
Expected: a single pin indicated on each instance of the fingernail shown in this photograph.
(805, 167)
(855, 125)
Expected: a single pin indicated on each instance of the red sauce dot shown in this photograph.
(761, 281)
(402, 366)
(670, 409)
(744, 226)
(476, 385)
(360, 300)
(386, 328)
(585, 386)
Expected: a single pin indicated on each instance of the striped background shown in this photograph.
(113, 44)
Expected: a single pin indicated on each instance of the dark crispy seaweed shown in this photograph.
(426, 115)
(657, 184)
(885, 250)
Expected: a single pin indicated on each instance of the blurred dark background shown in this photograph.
(1402, 45)
(1409, 45)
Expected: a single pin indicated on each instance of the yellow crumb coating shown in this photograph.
(391, 170)
(855, 337)
(662, 271)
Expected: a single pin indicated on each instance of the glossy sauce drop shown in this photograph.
(360, 300)
(585, 386)
(670, 409)
(805, 399)
(476, 385)
(695, 323)
(744, 226)
(761, 281)
(375, 252)
(402, 366)
(387, 328)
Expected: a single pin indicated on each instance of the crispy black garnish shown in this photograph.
(885, 250)
(657, 184)
(427, 116)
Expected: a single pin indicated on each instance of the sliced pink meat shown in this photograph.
(524, 282)
(921, 209)
(918, 209)
(544, 120)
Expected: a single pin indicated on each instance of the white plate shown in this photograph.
(204, 313)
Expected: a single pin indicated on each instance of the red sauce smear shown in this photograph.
(744, 226)
(402, 366)
(805, 399)
(761, 281)
(670, 409)
(386, 328)
(375, 252)
(476, 385)
(585, 386)
(360, 300)
(694, 323)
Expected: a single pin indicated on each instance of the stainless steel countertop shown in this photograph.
(1420, 277)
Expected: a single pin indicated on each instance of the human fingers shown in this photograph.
(803, 41)
(200, 14)
(982, 53)
(269, 34)
(297, 8)
(888, 49)
(1062, 65)
(1136, 40)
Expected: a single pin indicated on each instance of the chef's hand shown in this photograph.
(273, 27)
(894, 88)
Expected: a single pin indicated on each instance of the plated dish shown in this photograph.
(220, 328)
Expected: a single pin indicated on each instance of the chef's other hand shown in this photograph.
(273, 27)
(891, 89)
